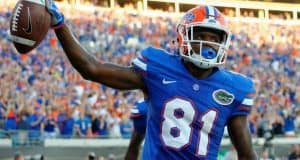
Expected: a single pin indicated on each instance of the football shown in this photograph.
(29, 24)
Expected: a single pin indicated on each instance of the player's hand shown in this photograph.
(57, 18)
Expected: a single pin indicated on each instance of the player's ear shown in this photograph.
(175, 42)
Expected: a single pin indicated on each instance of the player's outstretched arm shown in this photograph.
(240, 137)
(112, 75)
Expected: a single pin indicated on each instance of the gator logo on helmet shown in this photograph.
(223, 97)
(189, 17)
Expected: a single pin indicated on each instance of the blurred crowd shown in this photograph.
(43, 95)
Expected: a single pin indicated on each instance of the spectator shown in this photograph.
(297, 120)
(61, 118)
(18, 156)
(50, 125)
(289, 126)
(103, 126)
(295, 153)
(265, 155)
(83, 125)
(2, 111)
(278, 125)
(35, 121)
(23, 126)
(91, 156)
(10, 121)
(67, 126)
(126, 127)
(114, 126)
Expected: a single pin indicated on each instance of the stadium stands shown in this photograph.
(44, 97)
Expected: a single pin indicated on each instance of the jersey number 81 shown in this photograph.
(176, 129)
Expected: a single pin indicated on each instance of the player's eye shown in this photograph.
(215, 39)
(205, 37)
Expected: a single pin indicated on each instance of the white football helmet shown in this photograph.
(207, 54)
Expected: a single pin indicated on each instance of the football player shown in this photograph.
(191, 98)
(139, 118)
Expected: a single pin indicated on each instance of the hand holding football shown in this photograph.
(29, 24)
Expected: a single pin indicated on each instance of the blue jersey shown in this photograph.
(139, 116)
(186, 115)
(83, 124)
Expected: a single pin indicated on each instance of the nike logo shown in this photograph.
(164, 81)
(29, 26)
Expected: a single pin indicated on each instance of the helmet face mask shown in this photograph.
(203, 40)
